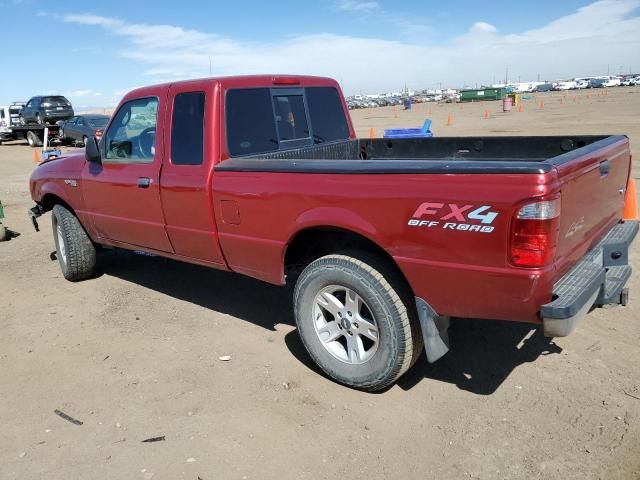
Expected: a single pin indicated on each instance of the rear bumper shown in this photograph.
(598, 279)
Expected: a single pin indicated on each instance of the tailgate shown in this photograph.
(592, 183)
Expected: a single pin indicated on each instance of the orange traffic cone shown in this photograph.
(561, 101)
(372, 133)
(36, 156)
(521, 109)
(630, 201)
(449, 120)
(486, 114)
(541, 105)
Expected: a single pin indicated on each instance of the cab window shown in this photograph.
(187, 129)
(131, 137)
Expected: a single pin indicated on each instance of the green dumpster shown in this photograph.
(481, 94)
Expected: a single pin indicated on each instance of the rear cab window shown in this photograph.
(264, 120)
(55, 101)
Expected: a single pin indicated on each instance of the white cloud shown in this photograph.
(483, 27)
(80, 93)
(582, 43)
(356, 6)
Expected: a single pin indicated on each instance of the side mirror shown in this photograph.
(92, 150)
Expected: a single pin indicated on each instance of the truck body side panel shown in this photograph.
(443, 258)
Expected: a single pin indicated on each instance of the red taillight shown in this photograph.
(534, 233)
(285, 81)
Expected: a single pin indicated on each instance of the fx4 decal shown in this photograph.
(450, 216)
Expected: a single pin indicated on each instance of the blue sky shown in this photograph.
(93, 52)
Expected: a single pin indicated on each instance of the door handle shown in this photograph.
(144, 182)
(604, 168)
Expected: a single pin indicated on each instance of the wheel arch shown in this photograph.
(313, 242)
(51, 199)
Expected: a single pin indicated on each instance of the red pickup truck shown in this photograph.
(382, 240)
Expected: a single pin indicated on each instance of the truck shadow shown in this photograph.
(483, 353)
(250, 300)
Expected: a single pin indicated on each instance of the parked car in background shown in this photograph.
(581, 84)
(597, 83)
(47, 109)
(543, 87)
(81, 127)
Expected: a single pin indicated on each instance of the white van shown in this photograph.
(565, 85)
(611, 81)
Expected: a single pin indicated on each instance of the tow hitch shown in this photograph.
(34, 213)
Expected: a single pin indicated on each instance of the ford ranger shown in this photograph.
(382, 241)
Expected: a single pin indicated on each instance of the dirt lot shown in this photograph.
(134, 353)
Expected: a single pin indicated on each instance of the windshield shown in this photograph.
(98, 122)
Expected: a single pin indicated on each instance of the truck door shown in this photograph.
(122, 194)
(187, 171)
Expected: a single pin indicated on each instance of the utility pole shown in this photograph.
(506, 75)
(538, 77)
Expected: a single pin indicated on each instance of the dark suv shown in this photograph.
(46, 109)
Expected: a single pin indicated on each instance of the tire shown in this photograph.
(384, 304)
(75, 250)
(84, 140)
(38, 119)
(22, 121)
(33, 139)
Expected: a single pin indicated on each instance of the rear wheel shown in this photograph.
(354, 321)
(33, 139)
(38, 119)
(76, 253)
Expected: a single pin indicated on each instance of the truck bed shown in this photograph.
(530, 154)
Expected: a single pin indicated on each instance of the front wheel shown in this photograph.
(353, 319)
(75, 250)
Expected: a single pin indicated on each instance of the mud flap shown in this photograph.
(434, 331)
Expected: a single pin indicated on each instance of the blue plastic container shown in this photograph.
(423, 132)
